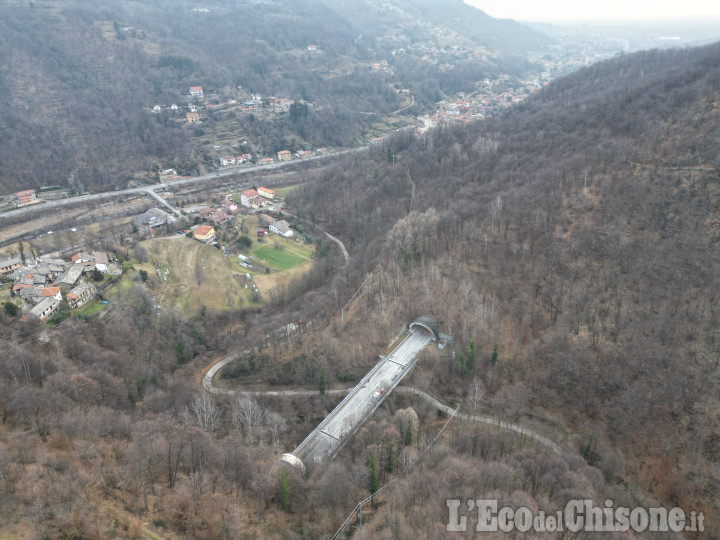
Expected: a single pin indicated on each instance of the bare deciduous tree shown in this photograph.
(476, 394)
(206, 412)
(247, 415)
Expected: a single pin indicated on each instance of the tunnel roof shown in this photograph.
(426, 322)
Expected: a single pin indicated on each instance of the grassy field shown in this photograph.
(267, 282)
(91, 308)
(284, 191)
(192, 274)
(281, 258)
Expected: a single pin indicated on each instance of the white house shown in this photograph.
(265, 192)
(46, 309)
(282, 228)
(101, 261)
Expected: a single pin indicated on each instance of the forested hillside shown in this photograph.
(569, 247)
(578, 234)
(80, 79)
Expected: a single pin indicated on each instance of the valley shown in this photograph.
(326, 307)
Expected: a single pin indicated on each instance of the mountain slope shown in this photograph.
(578, 235)
(80, 80)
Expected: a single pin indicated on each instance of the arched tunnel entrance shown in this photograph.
(426, 324)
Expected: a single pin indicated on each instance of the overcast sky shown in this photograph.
(600, 10)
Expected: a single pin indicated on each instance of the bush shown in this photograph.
(59, 317)
(11, 309)
(244, 242)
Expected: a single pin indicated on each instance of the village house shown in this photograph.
(230, 206)
(247, 196)
(80, 294)
(153, 218)
(81, 257)
(29, 294)
(192, 117)
(282, 228)
(265, 161)
(218, 218)
(226, 161)
(204, 233)
(42, 294)
(167, 173)
(70, 277)
(25, 197)
(196, 91)
(8, 266)
(284, 155)
(265, 192)
(265, 220)
(282, 104)
(101, 261)
(46, 309)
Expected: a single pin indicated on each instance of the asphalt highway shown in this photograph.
(334, 430)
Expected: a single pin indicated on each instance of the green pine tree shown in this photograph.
(321, 381)
(372, 477)
(285, 492)
(390, 459)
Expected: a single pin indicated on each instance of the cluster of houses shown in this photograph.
(41, 284)
(215, 216)
(229, 161)
(254, 199)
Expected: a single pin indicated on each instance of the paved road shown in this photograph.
(174, 183)
(351, 412)
(207, 381)
(162, 201)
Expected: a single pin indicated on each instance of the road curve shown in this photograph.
(207, 382)
(342, 246)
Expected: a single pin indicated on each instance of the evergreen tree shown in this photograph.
(285, 492)
(321, 381)
(372, 476)
(390, 459)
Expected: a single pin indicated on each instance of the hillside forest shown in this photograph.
(80, 80)
(569, 247)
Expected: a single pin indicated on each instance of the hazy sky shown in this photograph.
(600, 10)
